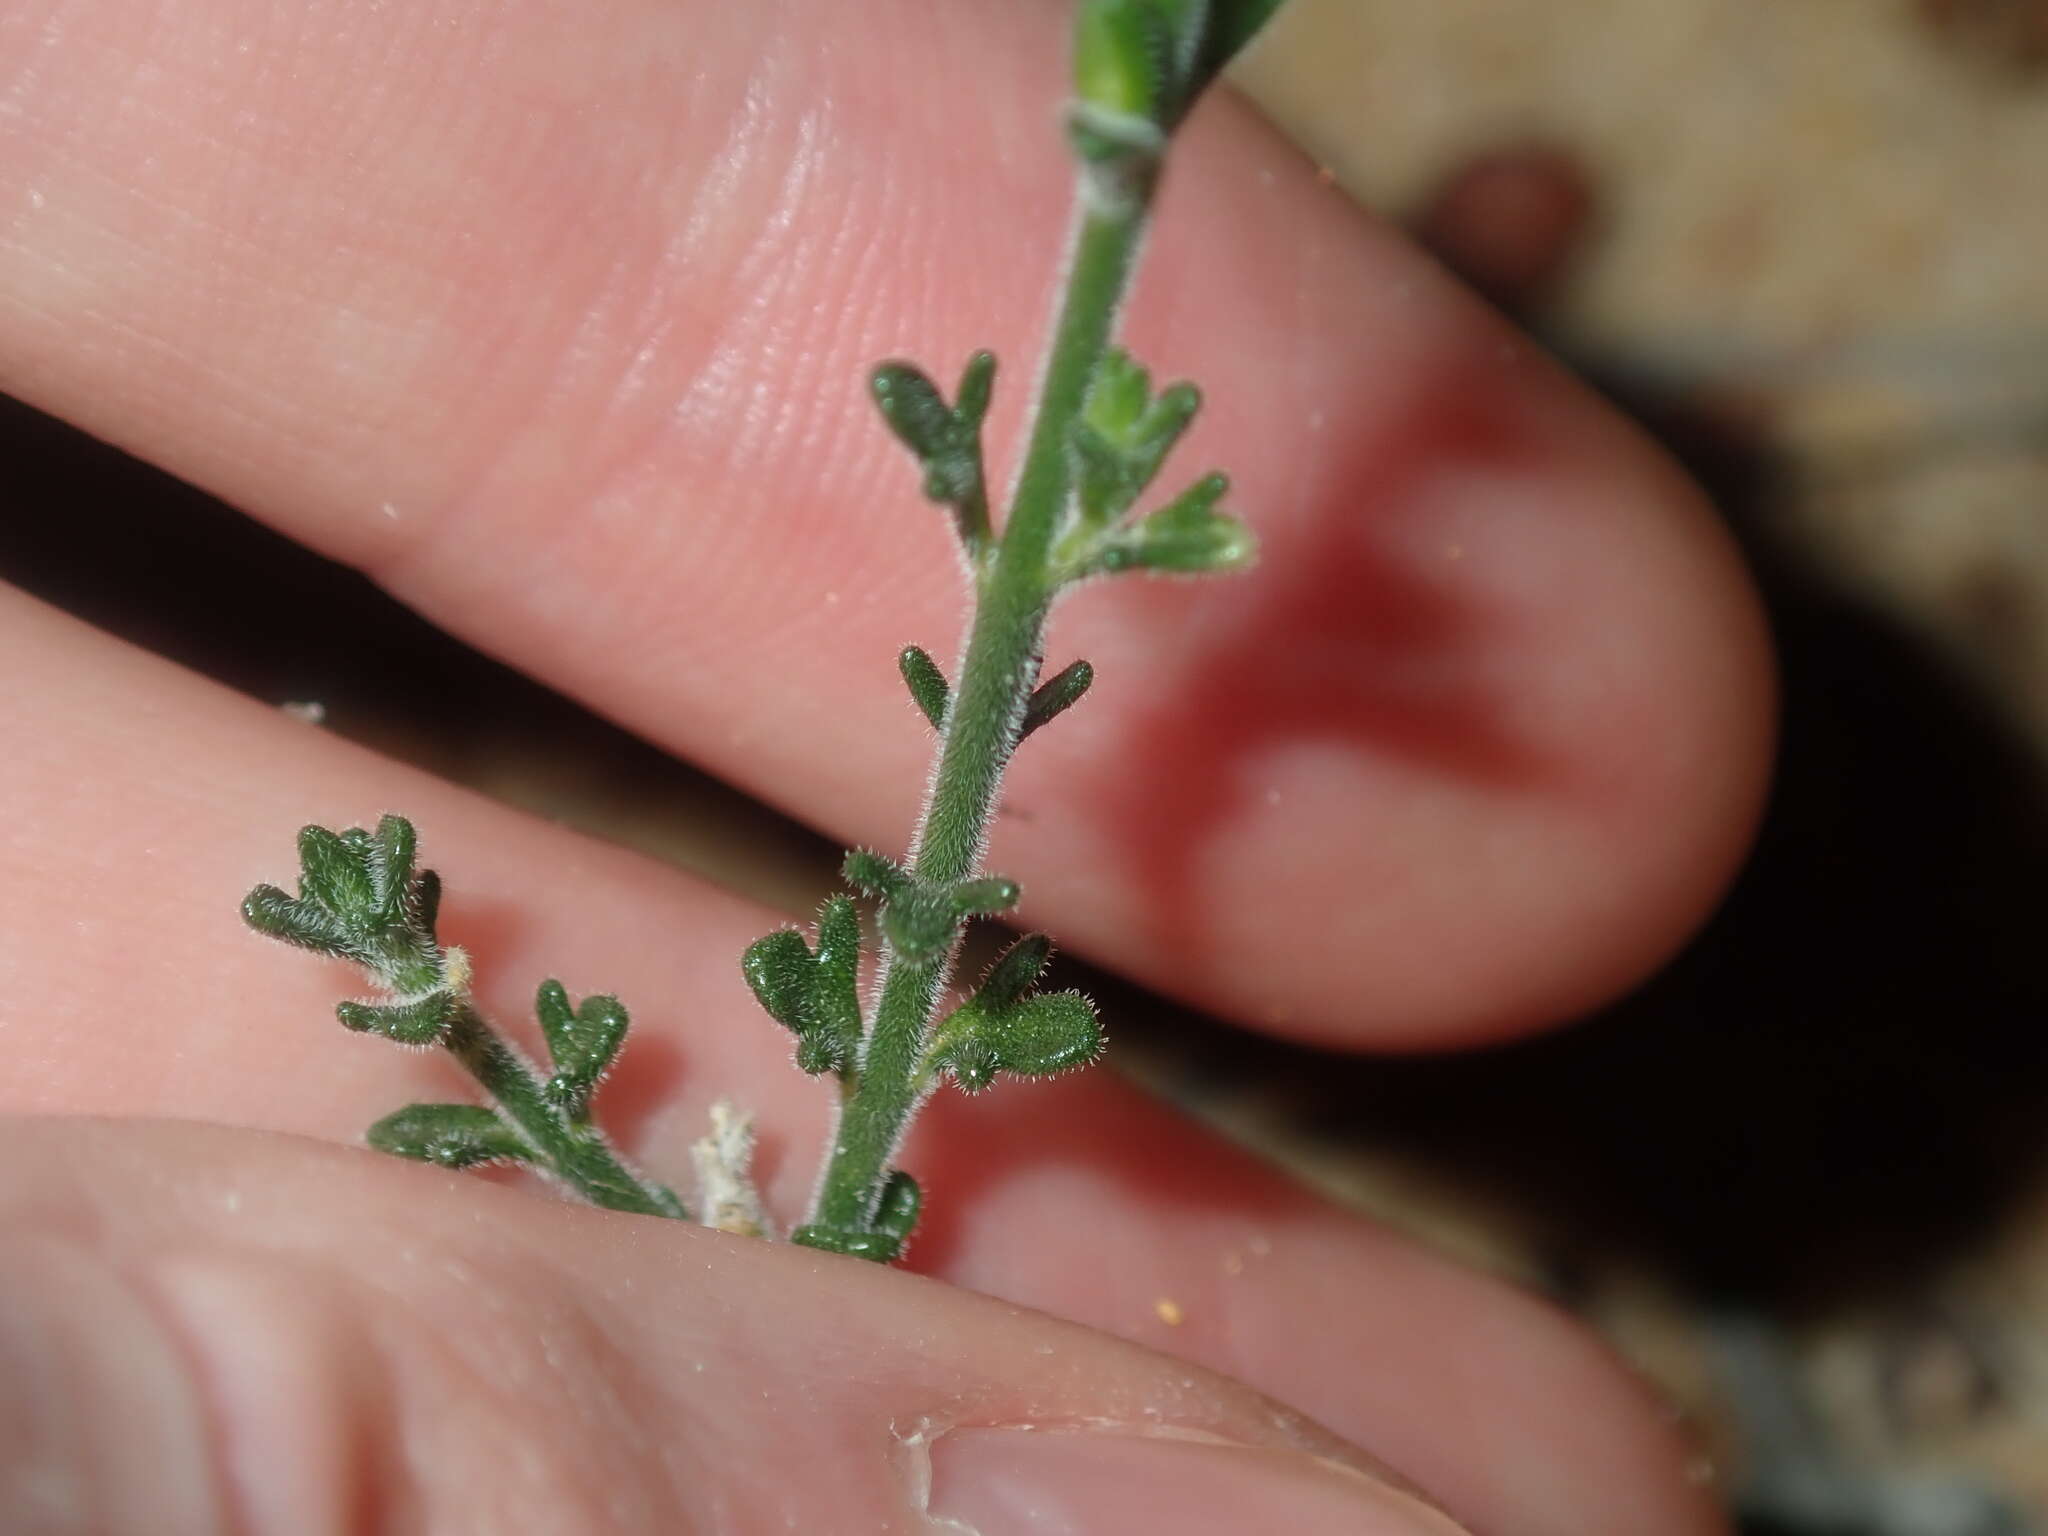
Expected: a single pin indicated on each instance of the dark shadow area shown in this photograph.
(1842, 1082)
(147, 558)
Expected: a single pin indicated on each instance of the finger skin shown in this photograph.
(145, 802)
(556, 320)
(375, 1346)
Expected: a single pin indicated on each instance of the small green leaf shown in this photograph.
(425, 902)
(920, 921)
(879, 1247)
(946, 440)
(1055, 696)
(332, 874)
(1118, 394)
(816, 995)
(874, 874)
(582, 1043)
(913, 407)
(1187, 536)
(275, 915)
(1103, 484)
(985, 897)
(896, 1212)
(1040, 1036)
(422, 1021)
(1124, 434)
(779, 969)
(835, 990)
(1015, 972)
(973, 1065)
(927, 684)
(977, 387)
(391, 854)
(453, 1135)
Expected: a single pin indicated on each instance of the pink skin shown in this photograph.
(583, 298)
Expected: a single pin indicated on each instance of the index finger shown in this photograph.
(554, 320)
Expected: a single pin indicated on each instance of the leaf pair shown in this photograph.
(582, 1042)
(361, 899)
(921, 920)
(1008, 1027)
(1119, 441)
(1050, 699)
(814, 993)
(945, 438)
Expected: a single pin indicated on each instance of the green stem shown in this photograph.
(1004, 641)
(576, 1153)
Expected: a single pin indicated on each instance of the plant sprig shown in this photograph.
(361, 899)
(1099, 436)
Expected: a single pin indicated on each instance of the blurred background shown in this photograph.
(1802, 1177)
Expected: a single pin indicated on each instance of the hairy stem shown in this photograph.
(1012, 597)
(575, 1153)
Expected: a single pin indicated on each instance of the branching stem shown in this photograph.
(574, 1152)
(1012, 598)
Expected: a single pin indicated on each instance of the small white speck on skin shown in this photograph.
(312, 711)
(231, 1202)
(832, 599)
(1272, 797)
(1169, 1311)
(1265, 176)
(36, 198)
(389, 509)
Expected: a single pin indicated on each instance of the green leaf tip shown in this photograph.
(873, 874)
(582, 1041)
(1015, 972)
(815, 994)
(415, 1021)
(452, 1135)
(946, 439)
(1123, 435)
(927, 684)
(1055, 696)
(1006, 1027)
(360, 898)
(1186, 537)
(1042, 1035)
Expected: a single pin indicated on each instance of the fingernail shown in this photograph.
(1022, 1482)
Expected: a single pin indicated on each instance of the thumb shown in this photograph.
(205, 1330)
